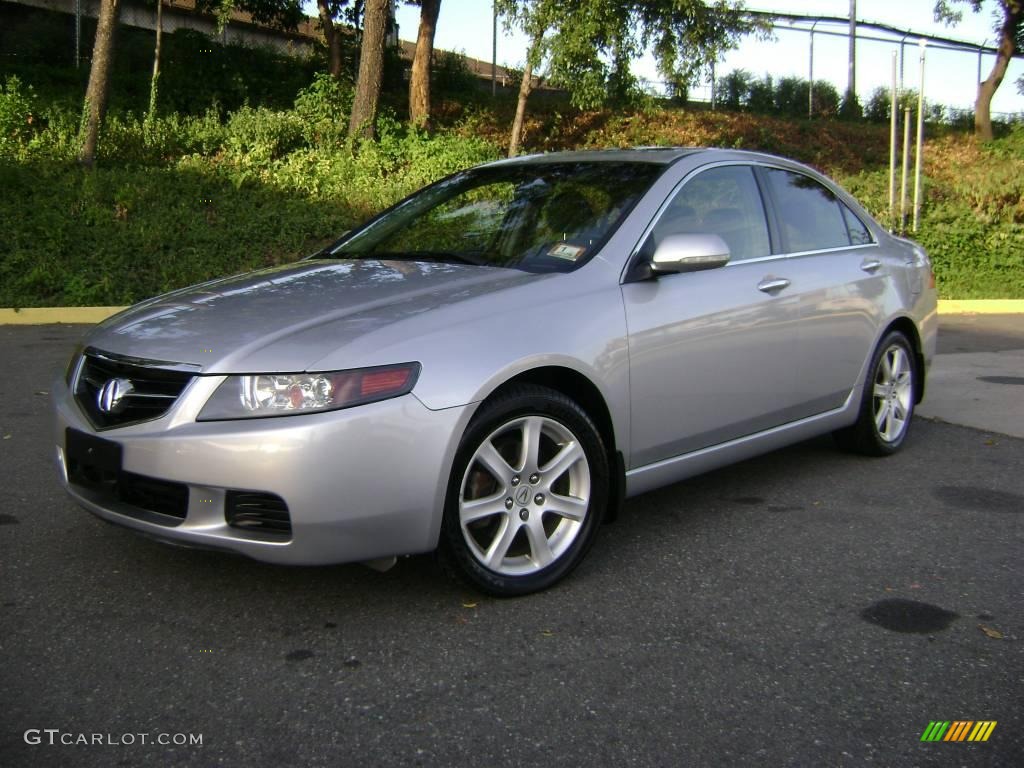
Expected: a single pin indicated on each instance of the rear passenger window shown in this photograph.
(859, 234)
(723, 201)
(811, 216)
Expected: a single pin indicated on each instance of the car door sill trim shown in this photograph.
(657, 474)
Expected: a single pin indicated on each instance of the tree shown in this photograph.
(332, 37)
(587, 45)
(330, 12)
(155, 80)
(534, 19)
(97, 92)
(419, 80)
(362, 121)
(1009, 30)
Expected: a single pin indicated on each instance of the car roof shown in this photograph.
(653, 155)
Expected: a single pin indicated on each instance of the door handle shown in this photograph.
(870, 265)
(769, 285)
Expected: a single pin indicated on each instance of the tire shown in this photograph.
(527, 493)
(887, 403)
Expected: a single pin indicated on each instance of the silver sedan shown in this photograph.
(491, 366)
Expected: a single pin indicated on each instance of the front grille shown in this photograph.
(154, 388)
(261, 513)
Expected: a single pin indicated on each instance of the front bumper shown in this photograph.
(360, 484)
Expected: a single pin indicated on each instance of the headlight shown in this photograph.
(287, 394)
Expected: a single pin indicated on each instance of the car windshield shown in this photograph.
(537, 217)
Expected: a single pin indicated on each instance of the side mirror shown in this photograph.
(689, 253)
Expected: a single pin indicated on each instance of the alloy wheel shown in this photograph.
(524, 496)
(893, 393)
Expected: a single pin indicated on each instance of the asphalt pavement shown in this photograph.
(977, 379)
(805, 608)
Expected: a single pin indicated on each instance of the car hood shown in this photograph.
(284, 319)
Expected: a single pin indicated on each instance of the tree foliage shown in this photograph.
(1009, 29)
(586, 46)
(282, 14)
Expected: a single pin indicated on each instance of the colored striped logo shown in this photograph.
(958, 730)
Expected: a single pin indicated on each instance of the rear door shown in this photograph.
(841, 278)
(713, 354)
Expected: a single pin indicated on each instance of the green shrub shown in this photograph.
(17, 114)
(973, 259)
(740, 90)
(323, 107)
(256, 135)
(761, 96)
(791, 96)
(450, 76)
(734, 88)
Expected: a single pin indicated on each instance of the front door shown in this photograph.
(713, 354)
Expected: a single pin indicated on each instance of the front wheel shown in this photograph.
(887, 404)
(527, 492)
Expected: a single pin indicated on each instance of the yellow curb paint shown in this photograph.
(47, 315)
(981, 306)
(70, 315)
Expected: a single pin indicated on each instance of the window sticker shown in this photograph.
(566, 251)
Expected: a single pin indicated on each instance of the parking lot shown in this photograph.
(805, 608)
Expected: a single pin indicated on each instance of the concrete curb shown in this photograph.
(48, 315)
(88, 315)
(981, 306)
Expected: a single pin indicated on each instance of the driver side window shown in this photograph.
(723, 201)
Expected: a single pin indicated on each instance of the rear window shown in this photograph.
(810, 215)
(859, 233)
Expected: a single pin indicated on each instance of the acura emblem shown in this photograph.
(110, 398)
(523, 497)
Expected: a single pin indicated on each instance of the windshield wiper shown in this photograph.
(438, 256)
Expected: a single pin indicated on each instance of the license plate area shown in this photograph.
(95, 465)
(92, 462)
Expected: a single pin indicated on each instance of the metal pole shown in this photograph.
(852, 78)
(78, 32)
(920, 143)
(906, 169)
(494, 50)
(712, 84)
(894, 108)
(810, 78)
(903, 44)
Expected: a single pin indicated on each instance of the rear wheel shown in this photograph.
(527, 492)
(887, 404)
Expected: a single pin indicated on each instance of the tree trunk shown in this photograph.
(99, 80)
(525, 88)
(154, 82)
(371, 66)
(419, 82)
(332, 37)
(987, 89)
